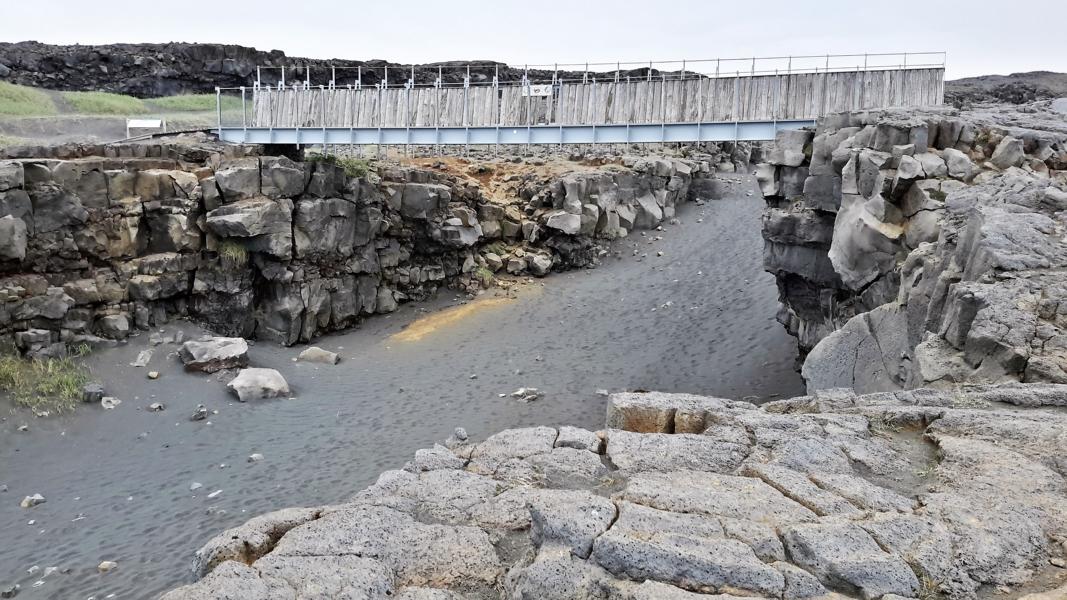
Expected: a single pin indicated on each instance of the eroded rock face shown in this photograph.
(267, 247)
(922, 249)
(837, 495)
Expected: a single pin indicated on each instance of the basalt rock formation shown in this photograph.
(896, 495)
(96, 238)
(150, 70)
(923, 247)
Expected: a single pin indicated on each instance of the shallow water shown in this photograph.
(127, 471)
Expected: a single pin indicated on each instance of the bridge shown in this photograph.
(741, 99)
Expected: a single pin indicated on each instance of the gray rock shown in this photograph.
(691, 559)
(538, 263)
(92, 392)
(214, 354)
(256, 384)
(1008, 153)
(318, 355)
(564, 222)
(115, 327)
(635, 452)
(959, 165)
(13, 238)
(250, 541)
(791, 148)
(569, 518)
(842, 554)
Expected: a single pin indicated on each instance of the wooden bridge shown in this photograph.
(600, 107)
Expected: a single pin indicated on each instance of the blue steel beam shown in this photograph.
(745, 131)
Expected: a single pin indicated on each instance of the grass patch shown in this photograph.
(104, 103)
(195, 103)
(497, 248)
(7, 140)
(233, 252)
(484, 276)
(45, 385)
(353, 167)
(22, 101)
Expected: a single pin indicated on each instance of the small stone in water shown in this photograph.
(214, 494)
(255, 457)
(156, 406)
(195, 486)
(109, 402)
(153, 374)
(106, 566)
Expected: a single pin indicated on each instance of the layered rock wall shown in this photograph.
(917, 248)
(252, 245)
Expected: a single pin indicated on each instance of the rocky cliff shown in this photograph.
(95, 240)
(917, 248)
(905, 495)
(149, 70)
(1017, 88)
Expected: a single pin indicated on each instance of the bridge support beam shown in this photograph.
(728, 131)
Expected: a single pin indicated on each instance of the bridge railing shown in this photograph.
(648, 104)
(467, 74)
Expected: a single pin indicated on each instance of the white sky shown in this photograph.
(980, 36)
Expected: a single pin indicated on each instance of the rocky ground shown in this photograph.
(1017, 88)
(903, 495)
(922, 247)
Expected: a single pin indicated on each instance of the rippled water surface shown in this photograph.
(698, 319)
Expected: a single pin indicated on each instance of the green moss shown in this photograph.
(937, 195)
(22, 101)
(104, 103)
(45, 385)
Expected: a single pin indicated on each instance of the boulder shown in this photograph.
(1008, 153)
(239, 179)
(421, 200)
(958, 164)
(539, 263)
(791, 148)
(11, 175)
(115, 327)
(249, 218)
(214, 354)
(13, 238)
(564, 222)
(256, 384)
(318, 355)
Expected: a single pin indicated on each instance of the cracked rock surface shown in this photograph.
(925, 247)
(907, 494)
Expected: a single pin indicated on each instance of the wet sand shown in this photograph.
(698, 319)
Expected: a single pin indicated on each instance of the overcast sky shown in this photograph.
(980, 36)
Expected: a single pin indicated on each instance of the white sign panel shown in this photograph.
(144, 123)
(537, 90)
